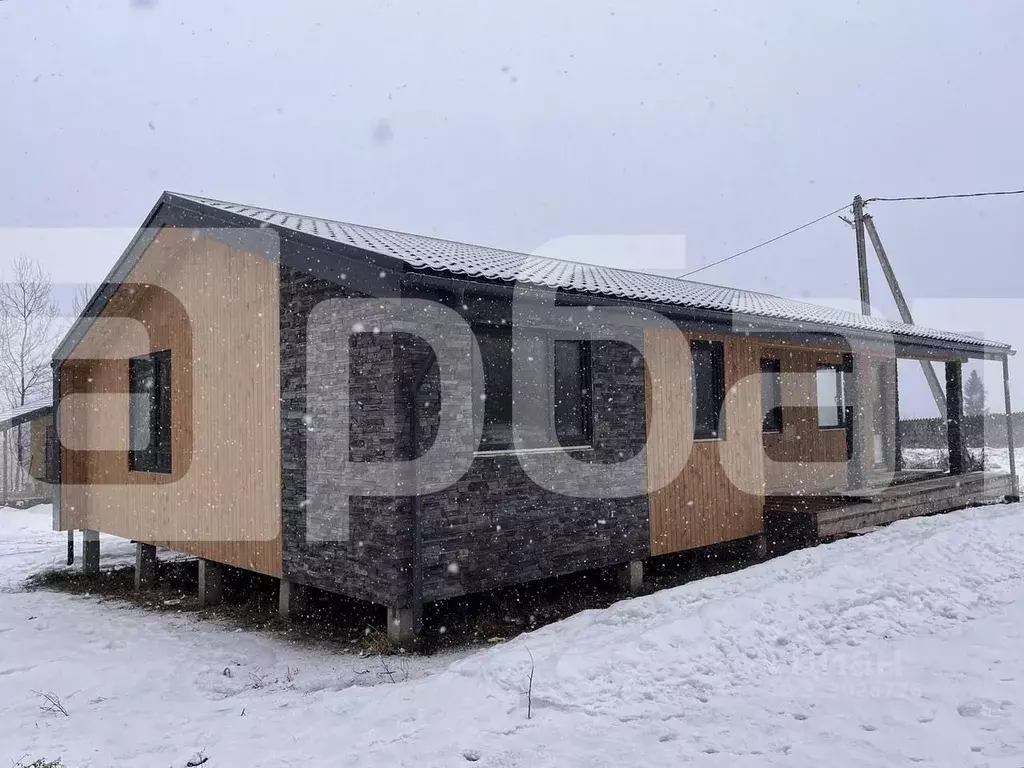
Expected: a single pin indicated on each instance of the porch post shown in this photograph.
(858, 385)
(955, 417)
(886, 414)
(1014, 488)
(897, 442)
(4, 500)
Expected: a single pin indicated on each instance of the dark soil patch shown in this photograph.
(251, 601)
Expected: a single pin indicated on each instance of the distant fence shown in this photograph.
(988, 430)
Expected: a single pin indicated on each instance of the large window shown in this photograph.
(708, 389)
(565, 368)
(771, 394)
(149, 424)
(831, 397)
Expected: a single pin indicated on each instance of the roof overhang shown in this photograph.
(25, 414)
(379, 274)
(756, 326)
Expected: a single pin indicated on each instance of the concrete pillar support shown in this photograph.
(631, 576)
(145, 565)
(211, 583)
(401, 626)
(292, 599)
(757, 547)
(91, 553)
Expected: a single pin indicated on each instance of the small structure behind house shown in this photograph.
(26, 454)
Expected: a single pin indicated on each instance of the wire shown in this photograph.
(766, 242)
(843, 208)
(943, 197)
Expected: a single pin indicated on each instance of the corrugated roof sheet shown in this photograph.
(23, 413)
(477, 261)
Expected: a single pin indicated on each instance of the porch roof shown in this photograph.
(22, 414)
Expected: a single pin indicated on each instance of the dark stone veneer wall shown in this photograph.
(494, 527)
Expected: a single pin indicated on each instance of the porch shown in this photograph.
(843, 470)
(792, 518)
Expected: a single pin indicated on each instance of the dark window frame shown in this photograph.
(717, 381)
(487, 440)
(586, 436)
(504, 441)
(155, 458)
(772, 421)
(840, 404)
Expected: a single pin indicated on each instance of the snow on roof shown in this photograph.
(23, 413)
(462, 259)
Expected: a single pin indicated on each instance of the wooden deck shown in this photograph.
(795, 518)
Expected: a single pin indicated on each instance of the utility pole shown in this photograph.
(862, 255)
(901, 304)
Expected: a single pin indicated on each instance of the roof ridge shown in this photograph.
(489, 263)
(202, 198)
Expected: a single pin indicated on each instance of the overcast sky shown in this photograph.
(515, 124)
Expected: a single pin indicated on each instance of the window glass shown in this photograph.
(831, 397)
(771, 394)
(572, 392)
(565, 368)
(708, 389)
(496, 353)
(149, 417)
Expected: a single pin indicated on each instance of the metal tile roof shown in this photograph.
(430, 253)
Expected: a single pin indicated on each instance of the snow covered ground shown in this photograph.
(901, 647)
(996, 459)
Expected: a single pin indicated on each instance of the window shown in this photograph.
(566, 368)
(708, 389)
(831, 397)
(771, 395)
(496, 352)
(149, 421)
(572, 392)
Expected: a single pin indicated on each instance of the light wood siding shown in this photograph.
(803, 455)
(216, 309)
(718, 496)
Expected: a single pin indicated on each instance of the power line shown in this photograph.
(842, 208)
(766, 242)
(944, 197)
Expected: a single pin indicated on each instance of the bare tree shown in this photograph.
(29, 327)
(80, 299)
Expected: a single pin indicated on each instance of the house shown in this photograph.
(26, 434)
(256, 388)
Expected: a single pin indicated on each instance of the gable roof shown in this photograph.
(462, 260)
(481, 262)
